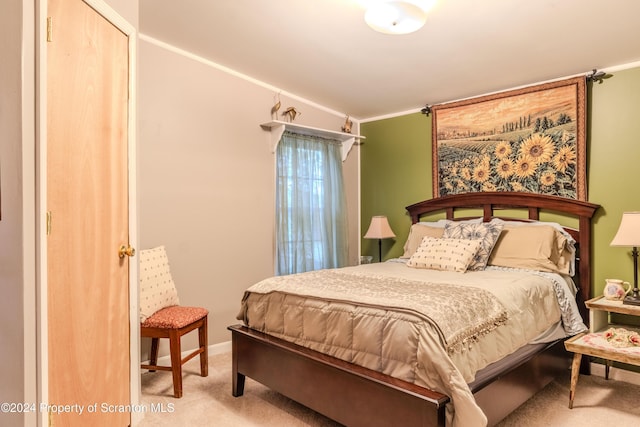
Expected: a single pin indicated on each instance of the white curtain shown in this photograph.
(311, 213)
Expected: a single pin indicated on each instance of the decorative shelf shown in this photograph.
(278, 127)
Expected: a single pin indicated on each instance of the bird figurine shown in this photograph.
(346, 128)
(275, 108)
(290, 113)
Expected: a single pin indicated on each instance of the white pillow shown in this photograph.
(157, 289)
(486, 232)
(445, 254)
(435, 229)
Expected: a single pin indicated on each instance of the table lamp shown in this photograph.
(629, 235)
(379, 229)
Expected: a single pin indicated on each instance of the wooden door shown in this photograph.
(87, 197)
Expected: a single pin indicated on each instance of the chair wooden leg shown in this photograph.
(204, 356)
(153, 356)
(176, 362)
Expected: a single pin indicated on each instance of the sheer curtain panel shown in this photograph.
(311, 213)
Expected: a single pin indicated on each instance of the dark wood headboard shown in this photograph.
(533, 204)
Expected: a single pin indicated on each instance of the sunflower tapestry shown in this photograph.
(526, 140)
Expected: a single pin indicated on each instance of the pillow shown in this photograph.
(568, 255)
(566, 262)
(533, 223)
(157, 289)
(444, 254)
(486, 232)
(442, 222)
(535, 247)
(435, 229)
(416, 233)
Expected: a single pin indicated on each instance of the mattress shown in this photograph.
(436, 329)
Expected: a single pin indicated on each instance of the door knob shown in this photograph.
(126, 251)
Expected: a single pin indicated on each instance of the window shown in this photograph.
(311, 217)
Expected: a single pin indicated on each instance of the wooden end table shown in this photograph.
(593, 343)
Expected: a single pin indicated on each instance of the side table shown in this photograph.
(594, 343)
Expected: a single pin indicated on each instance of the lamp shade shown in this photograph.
(379, 228)
(629, 231)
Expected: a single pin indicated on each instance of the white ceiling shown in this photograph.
(323, 51)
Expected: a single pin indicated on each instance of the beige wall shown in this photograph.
(127, 9)
(206, 178)
(11, 199)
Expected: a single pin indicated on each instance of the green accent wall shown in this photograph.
(395, 162)
(396, 171)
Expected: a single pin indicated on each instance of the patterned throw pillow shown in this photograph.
(486, 232)
(157, 289)
(444, 254)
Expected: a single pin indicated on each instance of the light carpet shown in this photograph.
(208, 402)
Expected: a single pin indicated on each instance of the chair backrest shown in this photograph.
(157, 289)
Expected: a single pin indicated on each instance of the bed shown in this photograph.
(463, 380)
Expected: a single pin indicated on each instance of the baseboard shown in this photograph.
(223, 347)
(616, 373)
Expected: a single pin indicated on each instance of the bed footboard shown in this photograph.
(321, 382)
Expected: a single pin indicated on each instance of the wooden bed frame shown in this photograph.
(357, 396)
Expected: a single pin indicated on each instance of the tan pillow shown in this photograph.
(445, 254)
(157, 289)
(566, 261)
(540, 247)
(416, 234)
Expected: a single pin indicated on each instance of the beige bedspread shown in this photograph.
(435, 329)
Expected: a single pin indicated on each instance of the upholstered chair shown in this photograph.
(161, 316)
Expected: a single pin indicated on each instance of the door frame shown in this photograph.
(42, 375)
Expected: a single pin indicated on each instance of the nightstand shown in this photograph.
(593, 343)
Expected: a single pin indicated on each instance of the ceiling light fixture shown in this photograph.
(397, 16)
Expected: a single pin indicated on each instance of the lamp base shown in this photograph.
(633, 299)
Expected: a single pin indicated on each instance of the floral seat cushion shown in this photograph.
(175, 317)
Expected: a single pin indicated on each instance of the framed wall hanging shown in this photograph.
(525, 140)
